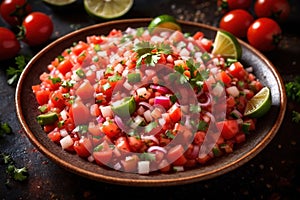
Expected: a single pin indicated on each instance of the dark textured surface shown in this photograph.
(272, 174)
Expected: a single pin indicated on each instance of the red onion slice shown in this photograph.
(157, 148)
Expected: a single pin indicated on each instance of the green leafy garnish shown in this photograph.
(14, 73)
(293, 89)
(150, 53)
(296, 116)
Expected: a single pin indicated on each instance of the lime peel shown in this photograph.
(226, 45)
(164, 21)
(259, 104)
(59, 2)
(107, 9)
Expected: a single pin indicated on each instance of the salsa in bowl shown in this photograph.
(116, 103)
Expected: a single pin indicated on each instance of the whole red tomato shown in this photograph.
(264, 34)
(276, 9)
(14, 11)
(236, 22)
(9, 44)
(226, 5)
(38, 28)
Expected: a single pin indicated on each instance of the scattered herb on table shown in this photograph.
(13, 172)
(4, 129)
(14, 73)
(296, 116)
(293, 89)
(293, 93)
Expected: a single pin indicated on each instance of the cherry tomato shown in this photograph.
(275, 9)
(264, 34)
(14, 11)
(38, 28)
(227, 5)
(236, 22)
(9, 44)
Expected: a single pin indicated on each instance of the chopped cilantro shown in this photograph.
(14, 73)
(150, 53)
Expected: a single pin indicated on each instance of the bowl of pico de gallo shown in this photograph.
(123, 103)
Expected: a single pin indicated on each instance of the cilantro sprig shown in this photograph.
(293, 89)
(293, 93)
(13, 172)
(150, 53)
(14, 72)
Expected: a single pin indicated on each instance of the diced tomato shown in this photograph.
(251, 122)
(42, 96)
(226, 79)
(122, 144)
(176, 153)
(65, 66)
(57, 99)
(164, 166)
(85, 91)
(130, 164)
(83, 147)
(206, 44)
(103, 153)
(175, 113)
(79, 48)
(203, 159)
(229, 128)
(80, 113)
(54, 136)
(230, 102)
(198, 35)
(102, 157)
(240, 137)
(181, 161)
(199, 137)
(237, 70)
(136, 145)
(94, 110)
(110, 128)
(94, 39)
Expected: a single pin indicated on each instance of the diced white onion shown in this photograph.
(66, 142)
(144, 167)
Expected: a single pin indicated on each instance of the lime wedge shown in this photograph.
(59, 2)
(164, 21)
(259, 104)
(226, 45)
(107, 9)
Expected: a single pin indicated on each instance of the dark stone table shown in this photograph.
(272, 174)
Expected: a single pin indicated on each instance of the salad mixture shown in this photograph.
(145, 101)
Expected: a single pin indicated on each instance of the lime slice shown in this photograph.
(226, 45)
(164, 21)
(59, 2)
(108, 9)
(259, 104)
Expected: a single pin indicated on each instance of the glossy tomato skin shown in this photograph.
(14, 11)
(275, 9)
(236, 22)
(227, 5)
(38, 28)
(264, 34)
(9, 44)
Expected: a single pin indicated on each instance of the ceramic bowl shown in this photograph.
(266, 127)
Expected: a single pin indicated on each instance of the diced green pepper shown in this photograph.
(47, 118)
(127, 106)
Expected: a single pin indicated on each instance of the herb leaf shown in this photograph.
(150, 53)
(14, 73)
(293, 89)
